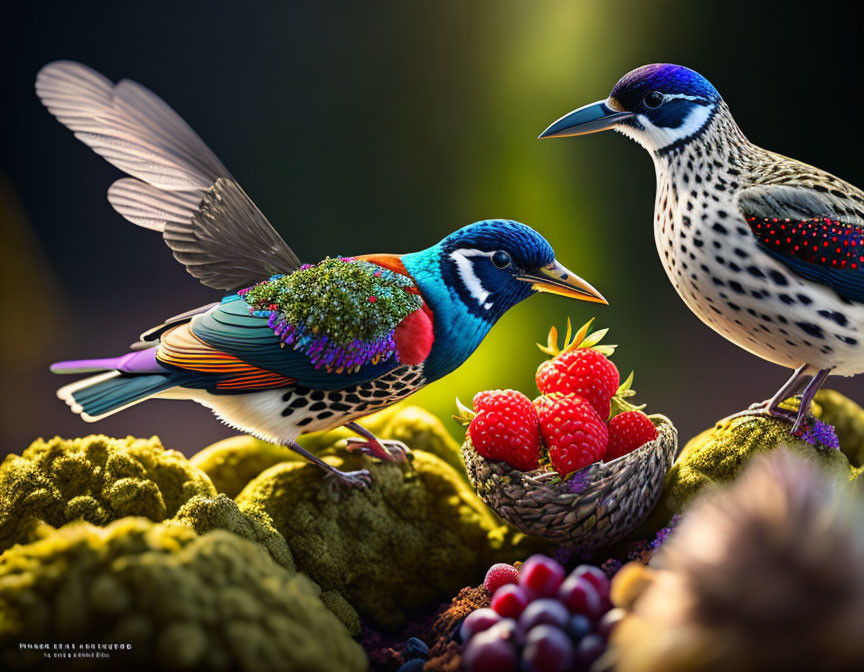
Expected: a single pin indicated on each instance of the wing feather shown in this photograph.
(816, 232)
(181, 188)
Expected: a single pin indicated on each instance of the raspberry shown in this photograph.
(627, 432)
(573, 432)
(499, 575)
(584, 372)
(506, 428)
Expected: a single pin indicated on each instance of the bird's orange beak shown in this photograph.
(556, 279)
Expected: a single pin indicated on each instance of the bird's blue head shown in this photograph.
(661, 106)
(493, 265)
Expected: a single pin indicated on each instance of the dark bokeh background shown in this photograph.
(381, 126)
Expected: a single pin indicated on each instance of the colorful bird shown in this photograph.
(292, 348)
(766, 250)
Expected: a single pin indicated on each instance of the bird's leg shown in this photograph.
(338, 479)
(790, 387)
(387, 450)
(807, 399)
(771, 407)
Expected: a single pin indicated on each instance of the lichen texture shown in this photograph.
(182, 601)
(718, 454)
(341, 312)
(410, 541)
(96, 479)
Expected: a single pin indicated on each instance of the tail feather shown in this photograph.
(99, 396)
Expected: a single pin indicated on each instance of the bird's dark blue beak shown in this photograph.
(599, 116)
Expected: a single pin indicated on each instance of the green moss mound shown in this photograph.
(718, 454)
(204, 514)
(232, 463)
(95, 479)
(183, 601)
(413, 539)
(847, 417)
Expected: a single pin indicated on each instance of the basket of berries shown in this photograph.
(580, 465)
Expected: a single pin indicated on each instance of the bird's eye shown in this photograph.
(501, 259)
(654, 99)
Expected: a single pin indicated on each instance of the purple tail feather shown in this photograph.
(141, 361)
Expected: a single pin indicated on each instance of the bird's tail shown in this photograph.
(124, 381)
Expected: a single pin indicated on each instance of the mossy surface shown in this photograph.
(204, 514)
(232, 463)
(718, 454)
(413, 539)
(96, 479)
(183, 601)
(847, 418)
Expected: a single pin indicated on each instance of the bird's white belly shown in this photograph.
(753, 300)
(281, 415)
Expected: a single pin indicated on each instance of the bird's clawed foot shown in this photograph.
(386, 450)
(347, 480)
(765, 409)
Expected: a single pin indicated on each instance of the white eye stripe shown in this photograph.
(465, 268)
(683, 96)
(658, 137)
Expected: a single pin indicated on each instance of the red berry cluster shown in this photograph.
(540, 619)
(570, 417)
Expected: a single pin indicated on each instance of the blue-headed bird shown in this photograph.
(292, 348)
(765, 250)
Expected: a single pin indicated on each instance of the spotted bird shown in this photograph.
(766, 250)
(292, 348)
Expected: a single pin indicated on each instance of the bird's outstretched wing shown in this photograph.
(816, 230)
(178, 186)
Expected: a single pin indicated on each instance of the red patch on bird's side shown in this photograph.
(414, 337)
(825, 242)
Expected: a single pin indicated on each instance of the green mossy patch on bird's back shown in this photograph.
(342, 312)
(96, 479)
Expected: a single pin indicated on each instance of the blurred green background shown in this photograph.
(382, 126)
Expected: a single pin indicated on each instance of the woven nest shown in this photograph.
(594, 507)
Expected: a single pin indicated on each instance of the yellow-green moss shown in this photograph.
(718, 454)
(847, 417)
(96, 479)
(413, 539)
(183, 601)
(204, 514)
(232, 463)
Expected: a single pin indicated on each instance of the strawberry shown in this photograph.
(581, 367)
(572, 431)
(506, 428)
(627, 432)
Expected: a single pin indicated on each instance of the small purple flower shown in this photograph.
(663, 534)
(577, 482)
(821, 433)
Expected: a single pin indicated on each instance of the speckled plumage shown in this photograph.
(722, 271)
(762, 248)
